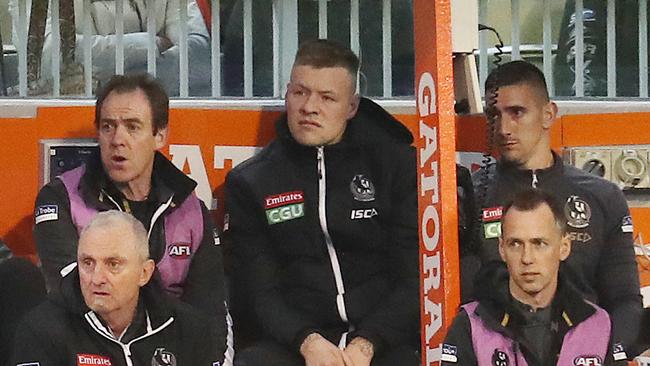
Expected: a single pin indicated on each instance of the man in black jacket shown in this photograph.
(602, 263)
(21, 288)
(529, 314)
(321, 237)
(107, 312)
(131, 175)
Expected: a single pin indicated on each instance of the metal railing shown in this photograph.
(233, 57)
(249, 48)
(586, 60)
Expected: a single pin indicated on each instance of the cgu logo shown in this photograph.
(363, 214)
(587, 361)
(492, 230)
(285, 213)
(180, 250)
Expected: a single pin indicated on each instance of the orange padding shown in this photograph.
(205, 129)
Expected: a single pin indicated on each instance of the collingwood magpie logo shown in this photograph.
(163, 358)
(362, 188)
(577, 212)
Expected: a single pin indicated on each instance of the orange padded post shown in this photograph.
(436, 146)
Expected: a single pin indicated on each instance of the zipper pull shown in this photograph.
(127, 354)
(319, 157)
(127, 207)
(535, 180)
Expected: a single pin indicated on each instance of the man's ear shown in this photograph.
(147, 271)
(354, 106)
(286, 92)
(501, 251)
(549, 115)
(565, 247)
(161, 138)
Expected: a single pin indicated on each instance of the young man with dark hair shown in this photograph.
(602, 263)
(321, 236)
(131, 175)
(527, 313)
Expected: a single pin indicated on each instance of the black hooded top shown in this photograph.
(305, 223)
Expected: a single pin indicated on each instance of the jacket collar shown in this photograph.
(496, 302)
(556, 168)
(501, 313)
(166, 181)
(152, 300)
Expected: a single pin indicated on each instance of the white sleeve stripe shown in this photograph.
(67, 269)
(229, 354)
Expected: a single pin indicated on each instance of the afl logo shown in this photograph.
(577, 212)
(180, 250)
(587, 361)
(362, 188)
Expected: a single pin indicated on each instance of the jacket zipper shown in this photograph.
(154, 218)
(158, 213)
(112, 200)
(322, 215)
(535, 180)
(97, 326)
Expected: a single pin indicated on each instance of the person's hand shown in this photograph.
(359, 352)
(163, 43)
(318, 351)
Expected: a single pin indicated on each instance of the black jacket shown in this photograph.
(602, 263)
(21, 289)
(56, 240)
(279, 261)
(526, 329)
(63, 331)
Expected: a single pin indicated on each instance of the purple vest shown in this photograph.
(183, 231)
(584, 344)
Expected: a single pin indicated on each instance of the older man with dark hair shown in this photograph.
(108, 312)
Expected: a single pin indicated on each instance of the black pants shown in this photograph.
(273, 354)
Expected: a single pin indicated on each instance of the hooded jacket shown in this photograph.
(57, 229)
(324, 239)
(63, 331)
(602, 263)
(499, 328)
